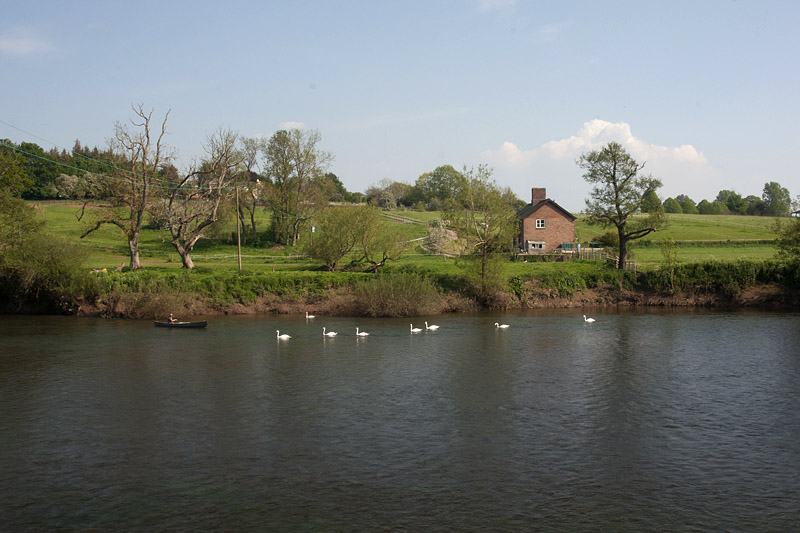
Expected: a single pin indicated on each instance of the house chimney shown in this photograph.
(538, 194)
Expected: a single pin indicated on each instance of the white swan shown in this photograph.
(432, 326)
(308, 316)
(414, 330)
(361, 334)
(587, 319)
(499, 325)
(328, 334)
(282, 337)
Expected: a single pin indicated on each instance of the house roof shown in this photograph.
(530, 209)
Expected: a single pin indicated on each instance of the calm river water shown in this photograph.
(641, 421)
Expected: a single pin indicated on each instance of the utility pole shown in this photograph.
(238, 229)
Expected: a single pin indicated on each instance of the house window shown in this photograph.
(539, 223)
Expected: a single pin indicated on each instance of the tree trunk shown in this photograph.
(242, 226)
(253, 223)
(133, 246)
(623, 249)
(186, 259)
(185, 253)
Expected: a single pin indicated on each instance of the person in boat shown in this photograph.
(172, 318)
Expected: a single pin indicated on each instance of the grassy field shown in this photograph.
(699, 238)
(697, 228)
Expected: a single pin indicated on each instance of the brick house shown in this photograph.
(545, 225)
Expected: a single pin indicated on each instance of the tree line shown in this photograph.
(775, 201)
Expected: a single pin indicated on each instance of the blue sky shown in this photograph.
(706, 92)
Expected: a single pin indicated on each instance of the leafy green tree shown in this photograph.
(335, 235)
(388, 194)
(755, 206)
(248, 184)
(17, 220)
(360, 232)
(296, 166)
(42, 168)
(38, 272)
(486, 222)
(711, 208)
(688, 206)
(441, 185)
(777, 200)
(379, 240)
(652, 204)
(788, 240)
(733, 200)
(13, 176)
(719, 208)
(618, 193)
(671, 205)
(669, 251)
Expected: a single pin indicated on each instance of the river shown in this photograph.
(641, 421)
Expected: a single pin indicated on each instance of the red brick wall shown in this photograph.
(557, 229)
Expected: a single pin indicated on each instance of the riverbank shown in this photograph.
(343, 302)
(405, 291)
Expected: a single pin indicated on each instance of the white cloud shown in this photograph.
(683, 169)
(21, 43)
(291, 125)
(594, 135)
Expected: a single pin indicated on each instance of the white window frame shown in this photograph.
(540, 223)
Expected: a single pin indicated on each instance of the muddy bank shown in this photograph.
(342, 303)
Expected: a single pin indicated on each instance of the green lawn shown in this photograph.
(697, 228)
(693, 233)
(690, 253)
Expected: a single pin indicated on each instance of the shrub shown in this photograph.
(396, 295)
(43, 274)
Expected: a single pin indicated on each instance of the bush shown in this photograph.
(715, 277)
(397, 295)
(43, 274)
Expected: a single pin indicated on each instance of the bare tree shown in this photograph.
(139, 158)
(193, 204)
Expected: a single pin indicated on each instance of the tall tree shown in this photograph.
(671, 205)
(689, 207)
(777, 200)
(733, 200)
(335, 235)
(379, 240)
(618, 192)
(139, 157)
(485, 220)
(788, 240)
(295, 164)
(248, 182)
(13, 176)
(193, 204)
(651, 203)
(441, 185)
